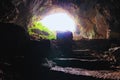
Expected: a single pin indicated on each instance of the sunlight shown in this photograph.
(59, 22)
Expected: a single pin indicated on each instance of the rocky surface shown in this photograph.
(84, 64)
(94, 19)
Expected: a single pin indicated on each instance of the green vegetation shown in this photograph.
(38, 31)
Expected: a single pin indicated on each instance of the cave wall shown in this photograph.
(95, 19)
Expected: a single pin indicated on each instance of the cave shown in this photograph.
(60, 39)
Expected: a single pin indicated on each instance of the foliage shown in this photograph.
(38, 31)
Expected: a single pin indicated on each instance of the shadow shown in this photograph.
(20, 55)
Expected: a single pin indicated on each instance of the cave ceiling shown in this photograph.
(95, 19)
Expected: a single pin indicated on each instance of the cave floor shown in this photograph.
(86, 67)
(82, 64)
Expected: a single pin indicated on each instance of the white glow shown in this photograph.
(59, 22)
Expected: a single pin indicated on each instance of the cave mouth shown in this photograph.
(47, 25)
(59, 22)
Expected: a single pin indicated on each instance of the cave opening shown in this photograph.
(84, 23)
(54, 21)
(93, 20)
(59, 22)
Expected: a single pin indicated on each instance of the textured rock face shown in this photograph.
(115, 51)
(95, 19)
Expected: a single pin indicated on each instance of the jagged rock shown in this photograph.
(116, 52)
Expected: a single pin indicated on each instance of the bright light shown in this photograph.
(59, 22)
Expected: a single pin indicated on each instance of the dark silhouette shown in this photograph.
(13, 48)
(14, 39)
(66, 41)
(15, 43)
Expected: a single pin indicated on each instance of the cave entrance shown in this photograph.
(59, 22)
(49, 24)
